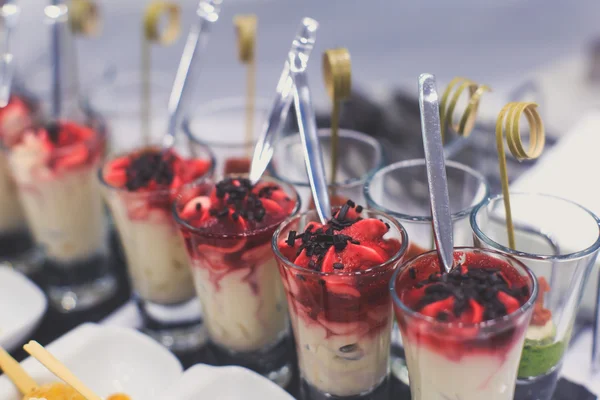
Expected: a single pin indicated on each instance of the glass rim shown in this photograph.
(421, 162)
(254, 232)
(347, 133)
(484, 324)
(499, 247)
(395, 258)
(100, 174)
(218, 105)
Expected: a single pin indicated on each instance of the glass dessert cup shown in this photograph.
(341, 311)
(464, 331)
(221, 124)
(359, 156)
(139, 186)
(16, 244)
(559, 241)
(53, 166)
(401, 190)
(235, 273)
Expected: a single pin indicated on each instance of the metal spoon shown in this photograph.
(9, 13)
(208, 13)
(436, 170)
(303, 44)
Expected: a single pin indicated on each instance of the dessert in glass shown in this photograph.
(359, 156)
(140, 186)
(336, 280)
(54, 167)
(221, 124)
(401, 190)
(15, 241)
(559, 241)
(464, 330)
(227, 226)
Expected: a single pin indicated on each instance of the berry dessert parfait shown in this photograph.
(464, 330)
(54, 166)
(227, 227)
(139, 187)
(336, 279)
(15, 241)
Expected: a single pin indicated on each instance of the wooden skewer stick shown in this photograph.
(246, 34)
(38, 352)
(11, 367)
(153, 34)
(337, 71)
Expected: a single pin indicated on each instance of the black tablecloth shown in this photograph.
(55, 324)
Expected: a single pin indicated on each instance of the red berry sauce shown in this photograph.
(229, 225)
(349, 293)
(152, 177)
(480, 288)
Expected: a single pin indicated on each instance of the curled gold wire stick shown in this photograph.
(507, 125)
(246, 39)
(84, 17)
(337, 71)
(449, 101)
(153, 33)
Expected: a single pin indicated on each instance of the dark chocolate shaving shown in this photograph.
(149, 166)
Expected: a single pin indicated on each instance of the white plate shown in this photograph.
(22, 306)
(224, 383)
(108, 360)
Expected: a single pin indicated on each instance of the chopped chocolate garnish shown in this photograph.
(413, 273)
(223, 213)
(359, 209)
(291, 239)
(351, 203)
(342, 214)
(338, 266)
(387, 225)
(349, 348)
(442, 316)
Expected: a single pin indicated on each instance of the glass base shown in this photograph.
(538, 388)
(178, 327)
(274, 362)
(20, 252)
(79, 286)
(380, 392)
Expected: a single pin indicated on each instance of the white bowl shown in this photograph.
(224, 383)
(108, 360)
(22, 306)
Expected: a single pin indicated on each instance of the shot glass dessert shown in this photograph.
(227, 227)
(359, 156)
(54, 166)
(559, 241)
(221, 124)
(336, 280)
(463, 331)
(401, 190)
(16, 245)
(139, 187)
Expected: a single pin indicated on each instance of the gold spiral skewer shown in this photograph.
(507, 125)
(337, 72)
(246, 38)
(84, 17)
(153, 33)
(449, 101)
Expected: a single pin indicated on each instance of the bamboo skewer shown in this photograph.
(21, 379)
(246, 37)
(38, 352)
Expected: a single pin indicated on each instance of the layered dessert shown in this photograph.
(140, 189)
(54, 166)
(228, 228)
(13, 119)
(463, 331)
(336, 279)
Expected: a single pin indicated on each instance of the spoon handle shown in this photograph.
(207, 13)
(313, 156)
(436, 169)
(303, 44)
(9, 12)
